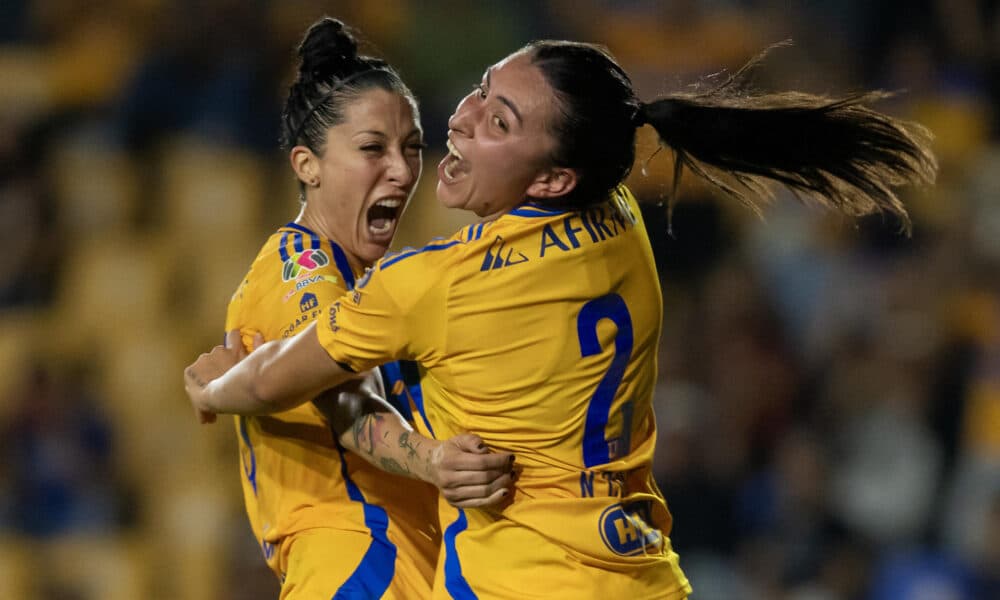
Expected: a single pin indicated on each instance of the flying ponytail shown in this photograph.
(835, 151)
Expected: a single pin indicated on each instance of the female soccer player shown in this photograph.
(329, 523)
(537, 328)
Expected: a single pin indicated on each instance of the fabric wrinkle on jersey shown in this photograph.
(537, 331)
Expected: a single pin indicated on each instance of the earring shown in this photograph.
(314, 182)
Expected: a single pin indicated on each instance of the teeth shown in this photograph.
(389, 203)
(448, 170)
(383, 229)
(454, 150)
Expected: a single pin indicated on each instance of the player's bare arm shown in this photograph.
(465, 471)
(277, 376)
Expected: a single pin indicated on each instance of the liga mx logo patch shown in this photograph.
(305, 261)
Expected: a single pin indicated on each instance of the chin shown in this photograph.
(447, 197)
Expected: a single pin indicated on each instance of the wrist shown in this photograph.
(433, 457)
(204, 400)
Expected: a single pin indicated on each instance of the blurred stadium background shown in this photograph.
(829, 400)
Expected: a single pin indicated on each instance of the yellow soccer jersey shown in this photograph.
(296, 477)
(537, 331)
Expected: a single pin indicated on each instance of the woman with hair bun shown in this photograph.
(538, 327)
(331, 524)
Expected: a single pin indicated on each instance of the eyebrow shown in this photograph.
(507, 102)
(381, 134)
(370, 131)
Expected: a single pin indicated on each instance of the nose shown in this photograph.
(400, 171)
(462, 121)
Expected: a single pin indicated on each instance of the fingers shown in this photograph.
(196, 377)
(470, 442)
(258, 340)
(465, 461)
(233, 339)
(496, 499)
(478, 496)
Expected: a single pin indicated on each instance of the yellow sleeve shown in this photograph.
(268, 304)
(396, 311)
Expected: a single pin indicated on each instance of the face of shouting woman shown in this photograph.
(357, 189)
(500, 142)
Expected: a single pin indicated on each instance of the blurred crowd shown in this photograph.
(829, 392)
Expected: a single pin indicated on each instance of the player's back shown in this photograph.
(537, 331)
(553, 320)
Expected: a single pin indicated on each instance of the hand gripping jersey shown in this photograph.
(537, 331)
(358, 530)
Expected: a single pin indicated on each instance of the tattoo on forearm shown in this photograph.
(363, 433)
(391, 465)
(404, 442)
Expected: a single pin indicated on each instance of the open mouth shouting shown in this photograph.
(453, 167)
(382, 217)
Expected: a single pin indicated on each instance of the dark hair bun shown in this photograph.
(328, 49)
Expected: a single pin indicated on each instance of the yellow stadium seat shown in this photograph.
(27, 82)
(209, 191)
(96, 188)
(97, 567)
(109, 286)
(15, 568)
(20, 333)
(194, 518)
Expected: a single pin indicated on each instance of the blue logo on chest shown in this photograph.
(308, 302)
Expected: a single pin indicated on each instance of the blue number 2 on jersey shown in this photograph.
(595, 446)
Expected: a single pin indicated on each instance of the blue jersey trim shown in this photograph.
(299, 246)
(391, 373)
(282, 250)
(378, 566)
(313, 238)
(342, 265)
(475, 231)
(388, 262)
(454, 581)
(249, 464)
(411, 376)
(530, 210)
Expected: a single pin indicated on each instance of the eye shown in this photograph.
(480, 90)
(499, 122)
(416, 147)
(373, 148)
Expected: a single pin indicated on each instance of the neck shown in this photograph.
(316, 221)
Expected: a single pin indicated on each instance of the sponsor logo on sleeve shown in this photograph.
(334, 309)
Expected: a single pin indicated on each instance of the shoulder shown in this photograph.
(438, 253)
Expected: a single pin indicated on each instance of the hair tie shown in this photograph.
(336, 86)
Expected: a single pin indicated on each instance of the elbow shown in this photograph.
(266, 395)
(265, 399)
